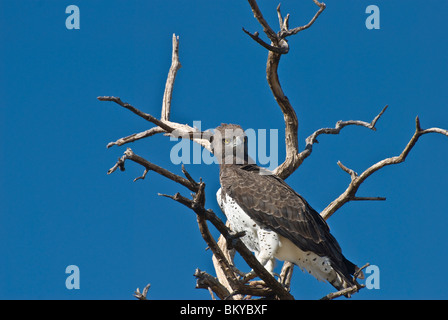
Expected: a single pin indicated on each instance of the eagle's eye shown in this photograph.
(227, 141)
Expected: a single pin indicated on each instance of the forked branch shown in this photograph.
(142, 295)
(312, 139)
(278, 42)
(174, 129)
(286, 32)
(356, 180)
(163, 125)
(149, 166)
(280, 46)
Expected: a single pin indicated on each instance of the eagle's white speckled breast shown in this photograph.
(239, 221)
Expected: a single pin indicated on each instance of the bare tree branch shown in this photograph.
(206, 281)
(175, 66)
(130, 155)
(221, 274)
(347, 291)
(253, 288)
(163, 125)
(141, 114)
(278, 47)
(278, 43)
(356, 180)
(266, 27)
(143, 176)
(224, 264)
(350, 290)
(136, 136)
(291, 122)
(142, 295)
(174, 129)
(283, 23)
(336, 130)
(285, 32)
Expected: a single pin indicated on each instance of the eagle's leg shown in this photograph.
(268, 244)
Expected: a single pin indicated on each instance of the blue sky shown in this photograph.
(60, 208)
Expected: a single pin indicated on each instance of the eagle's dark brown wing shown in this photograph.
(269, 201)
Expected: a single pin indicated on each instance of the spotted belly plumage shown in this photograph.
(267, 245)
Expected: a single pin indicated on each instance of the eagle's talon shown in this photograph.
(274, 274)
(248, 276)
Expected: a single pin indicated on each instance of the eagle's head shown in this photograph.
(229, 144)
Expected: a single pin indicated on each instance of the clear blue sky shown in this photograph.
(59, 208)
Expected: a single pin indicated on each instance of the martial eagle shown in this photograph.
(277, 221)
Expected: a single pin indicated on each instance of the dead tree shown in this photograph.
(227, 284)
